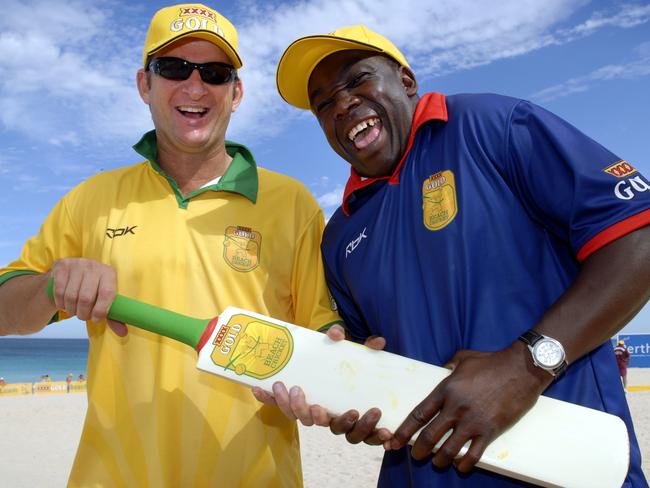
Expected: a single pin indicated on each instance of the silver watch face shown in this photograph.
(548, 353)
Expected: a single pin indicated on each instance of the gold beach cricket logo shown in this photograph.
(439, 205)
(252, 347)
(241, 248)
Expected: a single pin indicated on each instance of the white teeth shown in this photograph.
(360, 126)
(196, 110)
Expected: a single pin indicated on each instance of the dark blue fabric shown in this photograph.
(530, 192)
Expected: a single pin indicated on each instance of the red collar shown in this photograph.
(431, 106)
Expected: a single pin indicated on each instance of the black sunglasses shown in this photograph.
(178, 69)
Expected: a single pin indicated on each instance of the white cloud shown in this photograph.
(629, 16)
(69, 78)
(436, 37)
(70, 137)
(25, 182)
(331, 198)
(68, 72)
(643, 50)
(35, 185)
(633, 69)
(75, 169)
(9, 244)
(445, 35)
(4, 166)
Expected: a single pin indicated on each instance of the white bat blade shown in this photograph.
(555, 444)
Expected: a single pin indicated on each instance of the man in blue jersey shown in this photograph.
(472, 227)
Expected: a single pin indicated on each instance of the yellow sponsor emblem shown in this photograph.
(439, 206)
(620, 169)
(252, 347)
(241, 248)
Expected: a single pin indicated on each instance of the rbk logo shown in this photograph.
(353, 245)
(111, 233)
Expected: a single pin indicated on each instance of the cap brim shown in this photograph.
(300, 59)
(208, 36)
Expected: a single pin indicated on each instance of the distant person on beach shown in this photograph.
(2, 382)
(196, 227)
(479, 232)
(81, 378)
(622, 360)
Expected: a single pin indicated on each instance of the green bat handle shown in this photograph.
(187, 330)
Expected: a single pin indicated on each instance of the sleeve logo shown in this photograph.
(627, 189)
(620, 169)
(439, 205)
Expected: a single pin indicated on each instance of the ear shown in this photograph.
(408, 80)
(237, 94)
(144, 85)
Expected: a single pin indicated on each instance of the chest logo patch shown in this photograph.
(242, 247)
(439, 205)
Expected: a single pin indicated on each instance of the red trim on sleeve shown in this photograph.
(432, 106)
(614, 232)
(207, 333)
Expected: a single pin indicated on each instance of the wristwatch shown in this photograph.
(547, 352)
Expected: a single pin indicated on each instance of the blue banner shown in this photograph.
(639, 347)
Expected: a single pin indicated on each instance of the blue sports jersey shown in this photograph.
(477, 233)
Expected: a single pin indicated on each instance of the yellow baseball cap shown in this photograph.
(304, 54)
(191, 20)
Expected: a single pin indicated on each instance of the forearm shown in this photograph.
(488, 391)
(24, 305)
(611, 288)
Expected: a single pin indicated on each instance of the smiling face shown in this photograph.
(190, 116)
(364, 103)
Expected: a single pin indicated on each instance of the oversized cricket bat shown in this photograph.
(555, 444)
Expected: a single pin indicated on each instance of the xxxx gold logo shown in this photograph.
(194, 18)
(198, 11)
(241, 248)
(620, 169)
(439, 205)
(252, 347)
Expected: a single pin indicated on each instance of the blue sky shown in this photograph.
(69, 107)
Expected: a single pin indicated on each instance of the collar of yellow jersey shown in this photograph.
(240, 177)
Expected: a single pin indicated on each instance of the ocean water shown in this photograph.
(26, 360)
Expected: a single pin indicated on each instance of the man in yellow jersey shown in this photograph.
(195, 227)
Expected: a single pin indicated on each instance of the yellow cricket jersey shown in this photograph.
(252, 240)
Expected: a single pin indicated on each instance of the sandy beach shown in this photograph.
(39, 435)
